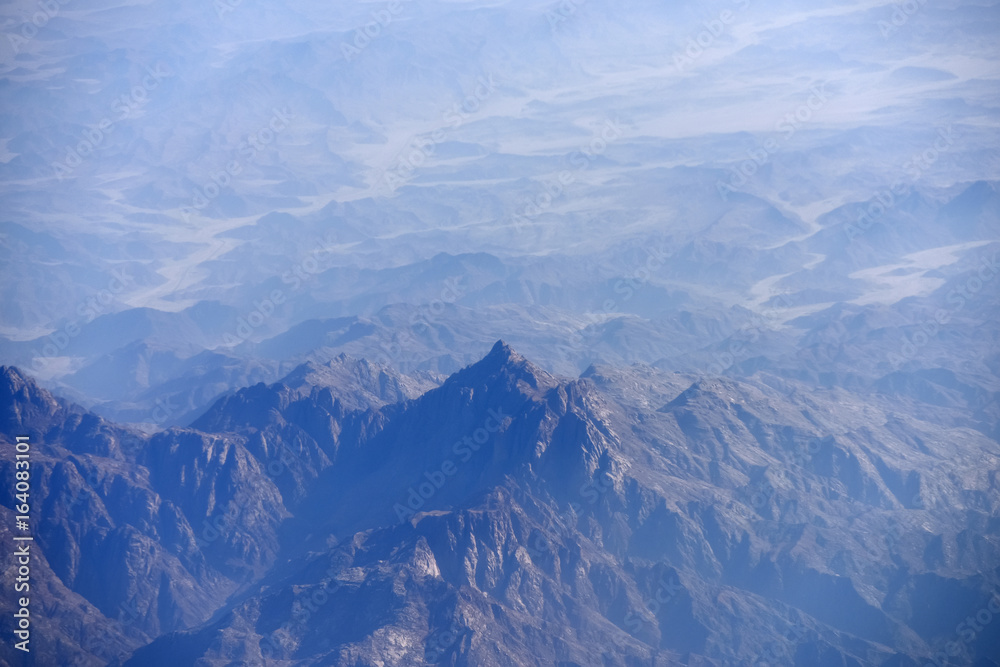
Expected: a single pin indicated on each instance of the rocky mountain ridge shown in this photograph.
(512, 517)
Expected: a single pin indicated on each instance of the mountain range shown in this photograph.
(741, 258)
(351, 515)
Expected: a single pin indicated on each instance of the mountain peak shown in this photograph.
(15, 383)
(23, 400)
(12, 377)
(504, 352)
(505, 365)
(359, 383)
(501, 356)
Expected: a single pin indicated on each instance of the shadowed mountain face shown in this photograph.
(512, 517)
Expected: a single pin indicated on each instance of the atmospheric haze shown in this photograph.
(521, 332)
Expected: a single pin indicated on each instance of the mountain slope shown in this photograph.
(722, 521)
